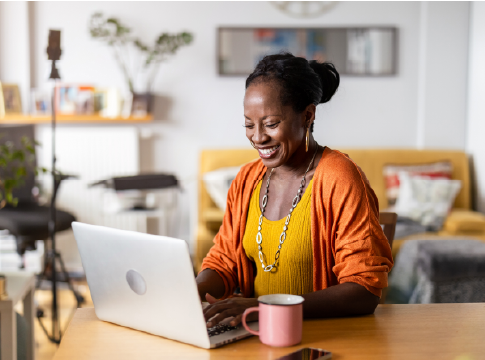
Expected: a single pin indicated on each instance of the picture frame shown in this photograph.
(85, 100)
(66, 98)
(99, 100)
(74, 99)
(108, 102)
(12, 103)
(40, 102)
(355, 51)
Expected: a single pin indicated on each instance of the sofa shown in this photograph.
(462, 221)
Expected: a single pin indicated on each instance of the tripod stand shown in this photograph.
(51, 254)
(50, 271)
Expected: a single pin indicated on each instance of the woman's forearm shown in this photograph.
(209, 282)
(341, 300)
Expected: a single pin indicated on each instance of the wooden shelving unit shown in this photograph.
(71, 119)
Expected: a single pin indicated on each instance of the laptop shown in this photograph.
(147, 283)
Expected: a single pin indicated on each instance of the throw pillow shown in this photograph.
(218, 182)
(440, 169)
(425, 199)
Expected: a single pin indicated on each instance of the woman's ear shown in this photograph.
(309, 115)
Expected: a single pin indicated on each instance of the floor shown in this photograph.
(45, 349)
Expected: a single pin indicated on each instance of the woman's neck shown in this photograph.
(298, 164)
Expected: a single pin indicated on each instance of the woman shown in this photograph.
(303, 218)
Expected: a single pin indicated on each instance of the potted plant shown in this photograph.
(148, 58)
(15, 162)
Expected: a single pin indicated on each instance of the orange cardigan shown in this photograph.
(348, 242)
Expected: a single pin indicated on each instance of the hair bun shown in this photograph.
(300, 82)
(329, 77)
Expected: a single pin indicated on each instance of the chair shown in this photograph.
(28, 221)
(388, 221)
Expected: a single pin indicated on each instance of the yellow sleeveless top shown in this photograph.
(294, 273)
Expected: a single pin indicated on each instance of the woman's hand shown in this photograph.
(223, 309)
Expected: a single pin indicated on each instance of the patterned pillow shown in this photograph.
(437, 170)
(218, 182)
(426, 200)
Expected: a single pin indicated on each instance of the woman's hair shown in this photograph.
(301, 82)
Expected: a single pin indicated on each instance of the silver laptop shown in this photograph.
(146, 282)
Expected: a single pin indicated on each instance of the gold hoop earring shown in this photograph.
(307, 138)
(252, 144)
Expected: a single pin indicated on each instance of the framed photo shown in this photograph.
(108, 102)
(11, 99)
(85, 100)
(66, 98)
(99, 100)
(74, 99)
(40, 102)
(356, 51)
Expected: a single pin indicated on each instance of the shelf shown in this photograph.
(71, 119)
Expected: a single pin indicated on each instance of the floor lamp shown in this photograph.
(54, 54)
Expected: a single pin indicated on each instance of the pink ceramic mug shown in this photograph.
(280, 319)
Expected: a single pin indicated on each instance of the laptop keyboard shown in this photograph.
(220, 329)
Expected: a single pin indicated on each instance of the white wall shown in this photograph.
(379, 111)
(446, 63)
(14, 47)
(207, 109)
(204, 110)
(476, 97)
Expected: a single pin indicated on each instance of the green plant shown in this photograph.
(118, 36)
(15, 161)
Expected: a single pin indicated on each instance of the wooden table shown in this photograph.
(20, 286)
(434, 331)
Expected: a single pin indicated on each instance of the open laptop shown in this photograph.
(146, 282)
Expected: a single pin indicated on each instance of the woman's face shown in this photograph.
(277, 131)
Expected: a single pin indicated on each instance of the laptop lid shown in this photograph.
(142, 281)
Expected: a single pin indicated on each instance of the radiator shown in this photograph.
(92, 153)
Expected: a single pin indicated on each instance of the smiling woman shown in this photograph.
(313, 230)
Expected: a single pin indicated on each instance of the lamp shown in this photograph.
(54, 53)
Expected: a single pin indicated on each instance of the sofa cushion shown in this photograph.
(426, 200)
(218, 182)
(440, 169)
(464, 221)
(372, 162)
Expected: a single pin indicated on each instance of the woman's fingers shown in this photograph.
(216, 308)
(222, 309)
(236, 321)
(223, 315)
(210, 299)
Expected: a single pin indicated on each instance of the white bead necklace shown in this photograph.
(296, 200)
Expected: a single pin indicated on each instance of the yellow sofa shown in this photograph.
(462, 221)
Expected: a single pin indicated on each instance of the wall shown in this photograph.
(476, 104)
(387, 104)
(445, 66)
(200, 110)
(15, 47)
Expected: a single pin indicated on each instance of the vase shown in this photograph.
(142, 104)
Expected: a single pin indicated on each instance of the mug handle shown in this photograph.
(246, 313)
